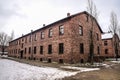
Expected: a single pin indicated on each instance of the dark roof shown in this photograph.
(66, 18)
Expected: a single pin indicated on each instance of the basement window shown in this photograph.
(41, 59)
(60, 60)
(49, 60)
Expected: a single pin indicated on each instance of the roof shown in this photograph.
(66, 18)
(107, 36)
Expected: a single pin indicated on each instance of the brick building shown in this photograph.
(64, 41)
(108, 50)
(5, 50)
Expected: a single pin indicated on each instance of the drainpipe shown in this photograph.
(31, 44)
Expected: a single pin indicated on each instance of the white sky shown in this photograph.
(22, 16)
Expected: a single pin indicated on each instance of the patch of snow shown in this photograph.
(4, 56)
(80, 68)
(12, 70)
(107, 35)
(101, 64)
(116, 62)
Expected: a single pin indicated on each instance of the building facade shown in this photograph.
(108, 45)
(64, 41)
(3, 50)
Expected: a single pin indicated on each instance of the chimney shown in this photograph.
(68, 14)
(43, 25)
(22, 34)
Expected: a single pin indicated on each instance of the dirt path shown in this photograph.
(112, 73)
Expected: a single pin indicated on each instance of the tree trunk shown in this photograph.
(91, 53)
(3, 50)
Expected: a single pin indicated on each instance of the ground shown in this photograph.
(17, 69)
(13, 70)
(110, 73)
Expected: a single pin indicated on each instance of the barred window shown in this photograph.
(61, 30)
(81, 48)
(81, 30)
(49, 49)
(61, 48)
(50, 32)
(42, 35)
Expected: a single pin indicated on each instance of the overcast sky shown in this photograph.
(22, 16)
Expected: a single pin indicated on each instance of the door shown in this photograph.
(21, 54)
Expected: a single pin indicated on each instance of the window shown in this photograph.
(105, 43)
(61, 30)
(60, 60)
(42, 35)
(35, 50)
(35, 37)
(41, 49)
(80, 30)
(81, 48)
(61, 48)
(41, 59)
(29, 50)
(49, 49)
(49, 60)
(25, 50)
(50, 32)
(97, 36)
(98, 49)
(106, 51)
(82, 61)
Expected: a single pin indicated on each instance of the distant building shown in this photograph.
(5, 50)
(64, 41)
(108, 50)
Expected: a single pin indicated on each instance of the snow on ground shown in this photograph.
(12, 70)
(116, 62)
(80, 68)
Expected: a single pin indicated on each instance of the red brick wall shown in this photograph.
(110, 47)
(71, 40)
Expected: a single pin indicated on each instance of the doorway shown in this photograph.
(21, 54)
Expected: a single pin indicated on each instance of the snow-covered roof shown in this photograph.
(107, 35)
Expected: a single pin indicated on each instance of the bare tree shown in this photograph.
(4, 41)
(12, 36)
(92, 10)
(114, 29)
